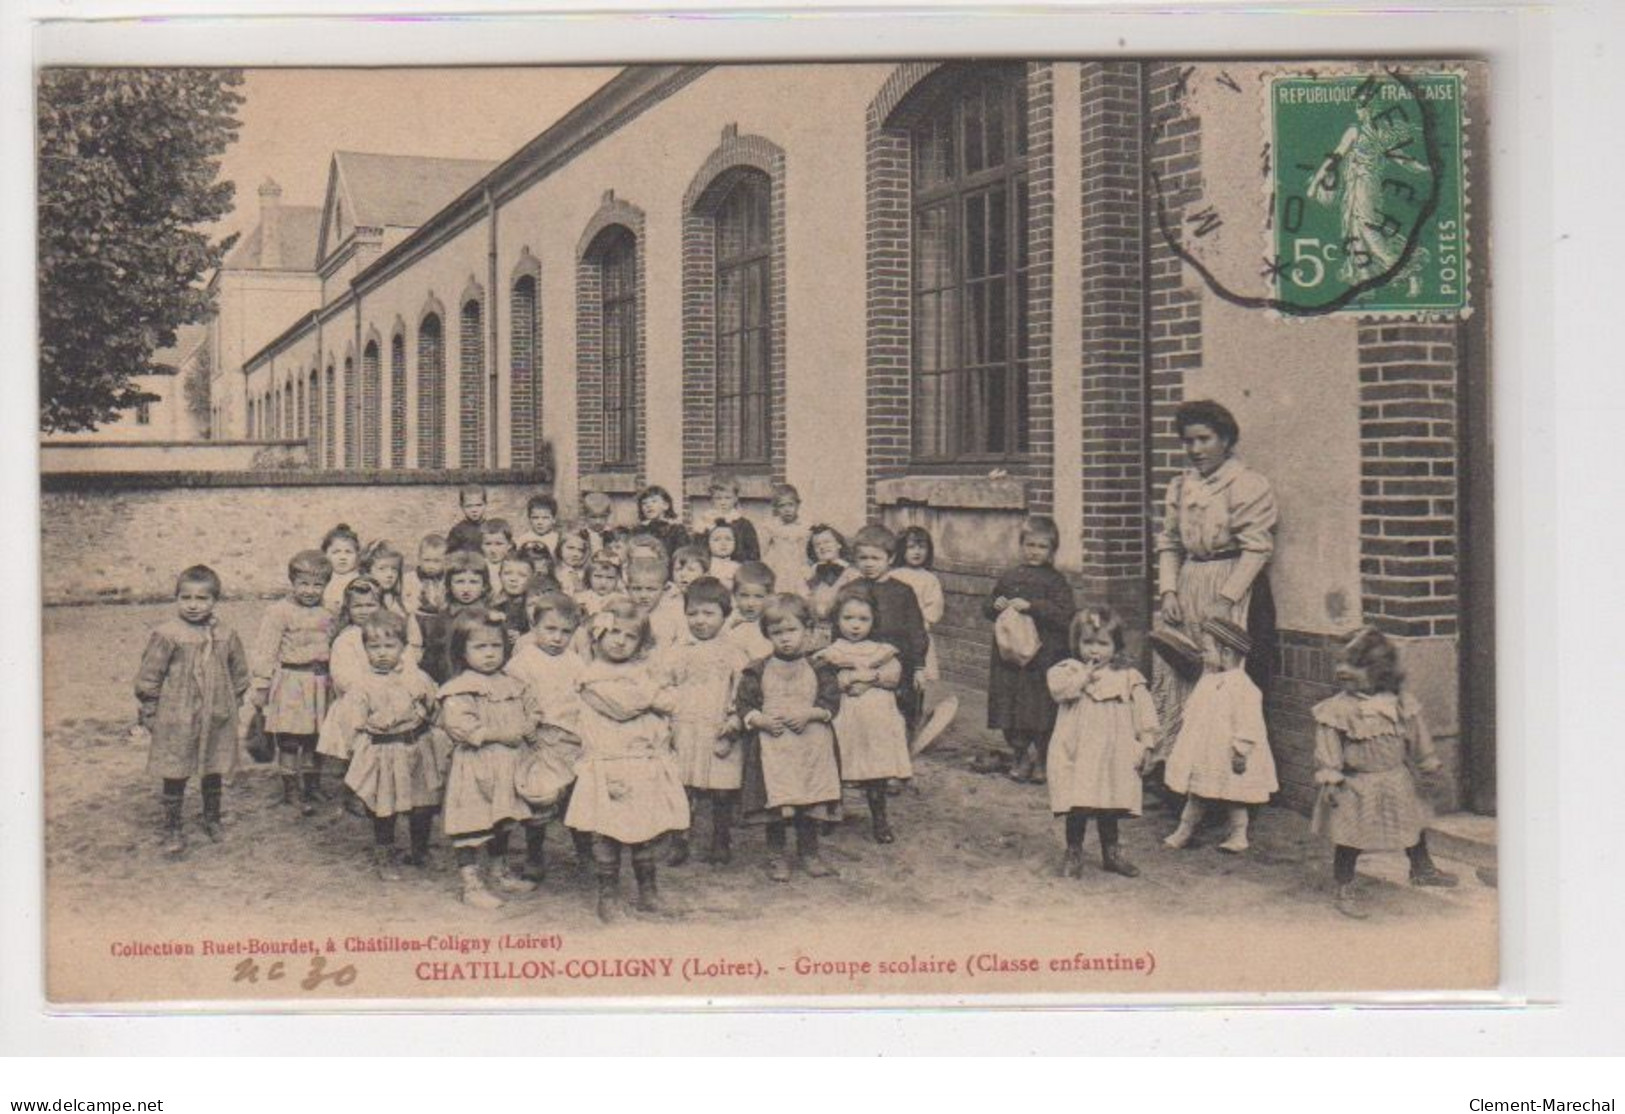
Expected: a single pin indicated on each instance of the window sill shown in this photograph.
(755, 481)
(611, 482)
(980, 493)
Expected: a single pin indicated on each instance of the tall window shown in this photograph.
(397, 401)
(525, 388)
(371, 399)
(431, 393)
(287, 411)
(352, 416)
(301, 420)
(744, 331)
(330, 419)
(618, 287)
(971, 270)
(313, 431)
(471, 385)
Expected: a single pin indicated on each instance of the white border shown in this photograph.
(1559, 913)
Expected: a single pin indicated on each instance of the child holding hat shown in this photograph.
(1222, 753)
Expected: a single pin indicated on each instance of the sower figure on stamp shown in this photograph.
(1217, 536)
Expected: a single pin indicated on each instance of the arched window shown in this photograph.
(313, 420)
(971, 268)
(372, 389)
(524, 373)
(330, 420)
(615, 252)
(471, 385)
(397, 400)
(287, 411)
(431, 393)
(352, 415)
(744, 301)
(301, 420)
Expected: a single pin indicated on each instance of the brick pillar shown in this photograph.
(699, 343)
(1408, 482)
(889, 291)
(1113, 373)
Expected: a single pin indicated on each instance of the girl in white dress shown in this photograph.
(869, 730)
(1105, 728)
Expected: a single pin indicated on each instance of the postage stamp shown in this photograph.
(1368, 204)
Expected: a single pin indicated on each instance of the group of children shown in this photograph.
(621, 680)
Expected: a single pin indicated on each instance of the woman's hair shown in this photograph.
(875, 536)
(755, 572)
(204, 575)
(359, 589)
(652, 490)
(469, 621)
(1371, 651)
(542, 501)
(785, 606)
(341, 533)
(910, 535)
(856, 592)
(1206, 412)
(310, 562)
(383, 621)
(691, 553)
(620, 608)
(826, 528)
(1092, 621)
(1041, 526)
(555, 602)
(708, 589)
(381, 552)
(466, 560)
(496, 526)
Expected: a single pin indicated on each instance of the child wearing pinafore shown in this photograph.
(1222, 753)
(488, 716)
(704, 671)
(786, 705)
(1105, 727)
(1367, 739)
(870, 733)
(291, 676)
(192, 678)
(342, 548)
(383, 724)
(628, 793)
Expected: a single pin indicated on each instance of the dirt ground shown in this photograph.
(971, 848)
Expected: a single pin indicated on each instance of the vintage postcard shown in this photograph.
(1009, 528)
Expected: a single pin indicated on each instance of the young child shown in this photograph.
(543, 578)
(603, 581)
(628, 793)
(869, 731)
(722, 543)
(1104, 733)
(423, 588)
(688, 564)
(468, 587)
(752, 588)
(597, 509)
(785, 540)
(291, 675)
(347, 660)
(1018, 699)
(897, 617)
(550, 670)
(575, 547)
(724, 492)
(384, 564)
(192, 678)
(657, 517)
(488, 716)
(343, 550)
(542, 518)
(512, 595)
(496, 542)
(832, 570)
(647, 584)
(786, 704)
(1222, 753)
(383, 724)
(1367, 738)
(466, 535)
(704, 671)
(911, 564)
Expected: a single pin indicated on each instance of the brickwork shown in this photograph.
(524, 364)
(372, 397)
(432, 390)
(590, 427)
(397, 396)
(735, 155)
(471, 380)
(1408, 481)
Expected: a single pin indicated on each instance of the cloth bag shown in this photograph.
(1016, 636)
(258, 744)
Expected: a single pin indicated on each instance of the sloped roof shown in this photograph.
(297, 228)
(167, 361)
(403, 191)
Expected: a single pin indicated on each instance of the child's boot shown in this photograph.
(1348, 903)
(1039, 773)
(418, 825)
(211, 809)
(307, 793)
(383, 862)
(535, 868)
(474, 891)
(1111, 853)
(679, 849)
(1423, 870)
(877, 813)
(582, 842)
(722, 822)
(501, 877)
(778, 867)
(174, 833)
(648, 890)
(807, 847)
(1021, 762)
(1076, 826)
(1181, 836)
(610, 908)
(1236, 842)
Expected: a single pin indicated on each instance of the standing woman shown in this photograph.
(1217, 535)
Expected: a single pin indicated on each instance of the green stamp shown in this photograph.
(1367, 211)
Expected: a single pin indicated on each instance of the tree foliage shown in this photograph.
(128, 167)
(197, 385)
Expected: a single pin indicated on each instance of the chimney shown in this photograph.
(270, 225)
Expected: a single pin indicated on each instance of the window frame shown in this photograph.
(751, 188)
(617, 256)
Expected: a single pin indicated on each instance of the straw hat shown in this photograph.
(1229, 634)
(1181, 654)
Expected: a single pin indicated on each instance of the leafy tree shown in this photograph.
(198, 387)
(128, 167)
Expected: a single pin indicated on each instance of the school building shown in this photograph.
(931, 293)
